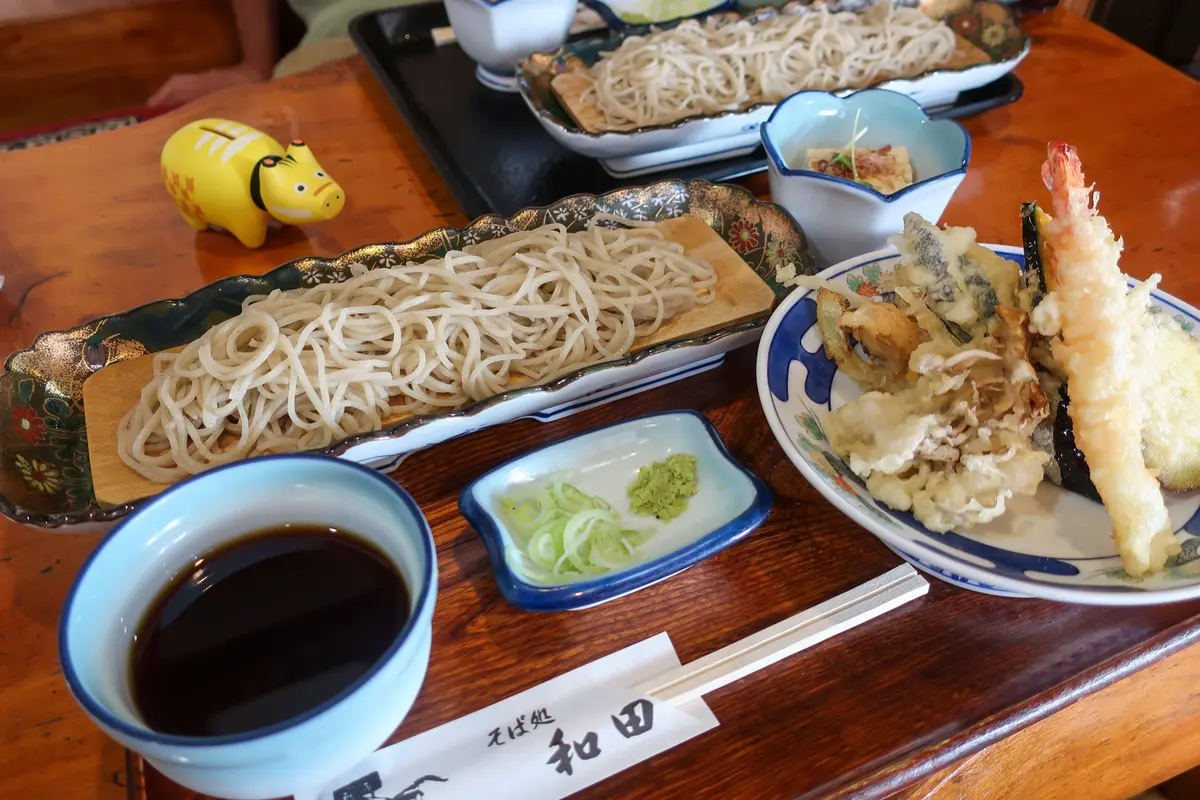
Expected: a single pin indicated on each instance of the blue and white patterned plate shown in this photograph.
(1056, 545)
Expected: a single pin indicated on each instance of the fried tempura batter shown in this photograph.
(1101, 326)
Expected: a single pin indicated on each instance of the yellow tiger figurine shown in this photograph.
(223, 174)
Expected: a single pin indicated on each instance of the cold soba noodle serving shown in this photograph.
(709, 67)
(302, 368)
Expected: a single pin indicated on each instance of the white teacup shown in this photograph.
(499, 34)
(142, 555)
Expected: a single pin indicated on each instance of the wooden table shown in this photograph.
(940, 699)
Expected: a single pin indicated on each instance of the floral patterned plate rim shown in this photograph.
(45, 477)
(987, 24)
(1054, 545)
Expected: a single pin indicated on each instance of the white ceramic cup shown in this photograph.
(500, 34)
(141, 556)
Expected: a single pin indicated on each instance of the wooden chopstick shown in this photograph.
(798, 632)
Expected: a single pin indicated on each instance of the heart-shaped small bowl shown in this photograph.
(841, 217)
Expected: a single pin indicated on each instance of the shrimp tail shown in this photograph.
(1062, 172)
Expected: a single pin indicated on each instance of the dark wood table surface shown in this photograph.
(87, 229)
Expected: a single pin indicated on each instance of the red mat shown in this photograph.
(73, 129)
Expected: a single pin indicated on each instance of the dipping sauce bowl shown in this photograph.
(150, 547)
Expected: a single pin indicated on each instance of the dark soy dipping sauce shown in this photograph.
(264, 629)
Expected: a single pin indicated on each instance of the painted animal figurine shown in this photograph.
(223, 174)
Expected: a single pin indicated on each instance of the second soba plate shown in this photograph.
(45, 468)
(991, 42)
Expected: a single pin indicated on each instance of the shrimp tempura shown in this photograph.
(1101, 327)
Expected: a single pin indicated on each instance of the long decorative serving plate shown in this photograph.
(45, 472)
(989, 26)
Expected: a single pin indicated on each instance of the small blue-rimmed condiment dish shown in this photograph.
(499, 34)
(844, 218)
(730, 502)
(151, 546)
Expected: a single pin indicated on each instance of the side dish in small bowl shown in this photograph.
(850, 168)
(613, 510)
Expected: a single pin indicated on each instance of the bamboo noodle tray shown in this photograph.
(110, 392)
(569, 87)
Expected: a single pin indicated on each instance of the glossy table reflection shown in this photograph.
(87, 229)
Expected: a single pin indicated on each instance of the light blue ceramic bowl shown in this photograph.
(730, 503)
(843, 218)
(111, 594)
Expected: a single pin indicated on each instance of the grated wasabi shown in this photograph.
(662, 489)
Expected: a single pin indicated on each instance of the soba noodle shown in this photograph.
(302, 368)
(705, 68)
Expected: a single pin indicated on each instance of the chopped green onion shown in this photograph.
(848, 160)
(561, 534)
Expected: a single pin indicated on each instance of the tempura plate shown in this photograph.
(1055, 545)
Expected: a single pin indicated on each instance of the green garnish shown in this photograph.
(662, 489)
(561, 534)
(848, 161)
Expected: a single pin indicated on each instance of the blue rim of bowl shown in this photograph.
(943, 559)
(496, 81)
(145, 734)
(952, 578)
(570, 596)
(498, 73)
(491, 3)
(781, 166)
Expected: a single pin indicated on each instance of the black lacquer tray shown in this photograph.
(489, 148)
